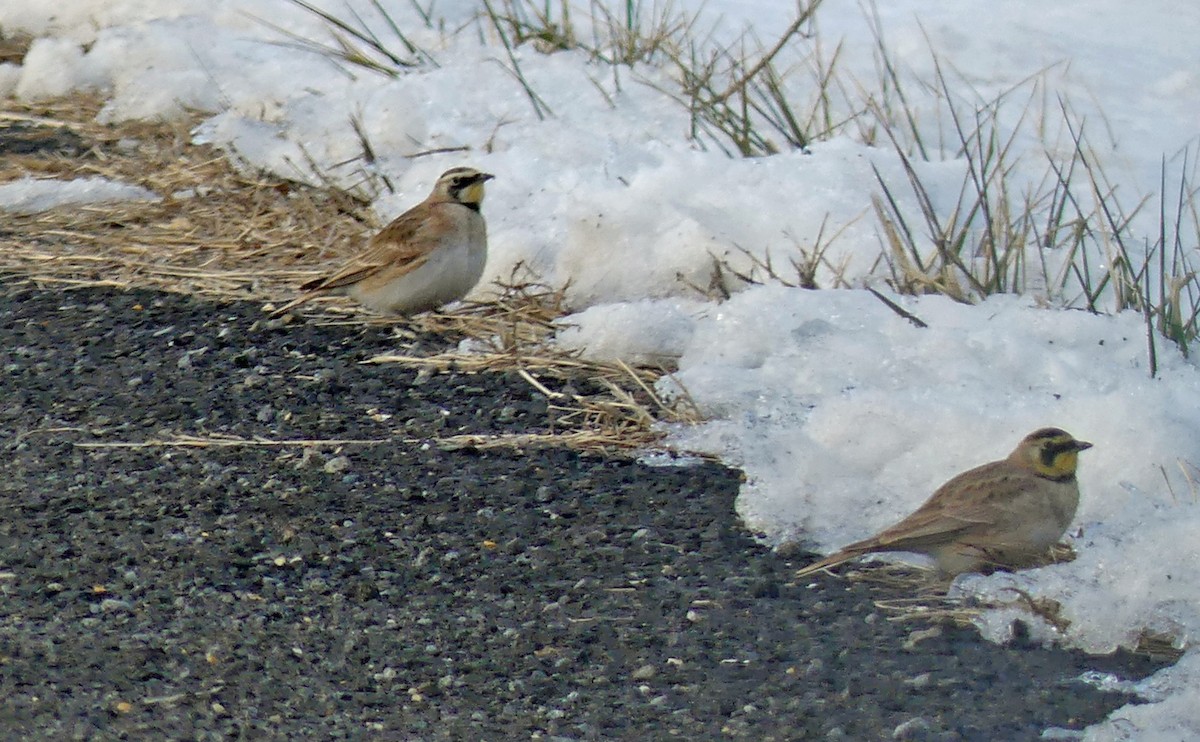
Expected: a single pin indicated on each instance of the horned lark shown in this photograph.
(1003, 514)
(428, 256)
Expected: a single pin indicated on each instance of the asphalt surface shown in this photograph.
(392, 589)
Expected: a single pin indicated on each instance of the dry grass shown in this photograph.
(606, 407)
(218, 231)
(228, 234)
(621, 414)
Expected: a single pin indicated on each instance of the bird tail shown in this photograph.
(293, 304)
(830, 561)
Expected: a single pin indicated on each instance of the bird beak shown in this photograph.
(484, 177)
(1082, 445)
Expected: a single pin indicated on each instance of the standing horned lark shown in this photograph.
(428, 256)
(1003, 514)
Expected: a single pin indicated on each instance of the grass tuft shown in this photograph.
(354, 44)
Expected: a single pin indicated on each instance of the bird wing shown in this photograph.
(982, 508)
(982, 498)
(928, 527)
(399, 248)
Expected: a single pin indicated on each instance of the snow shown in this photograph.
(843, 414)
(31, 195)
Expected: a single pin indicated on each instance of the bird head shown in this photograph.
(463, 185)
(1051, 452)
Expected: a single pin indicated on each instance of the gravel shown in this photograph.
(392, 589)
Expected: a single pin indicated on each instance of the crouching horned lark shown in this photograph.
(1003, 514)
(428, 256)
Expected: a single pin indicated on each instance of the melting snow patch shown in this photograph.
(31, 196)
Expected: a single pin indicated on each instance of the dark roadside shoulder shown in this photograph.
(387, 588)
